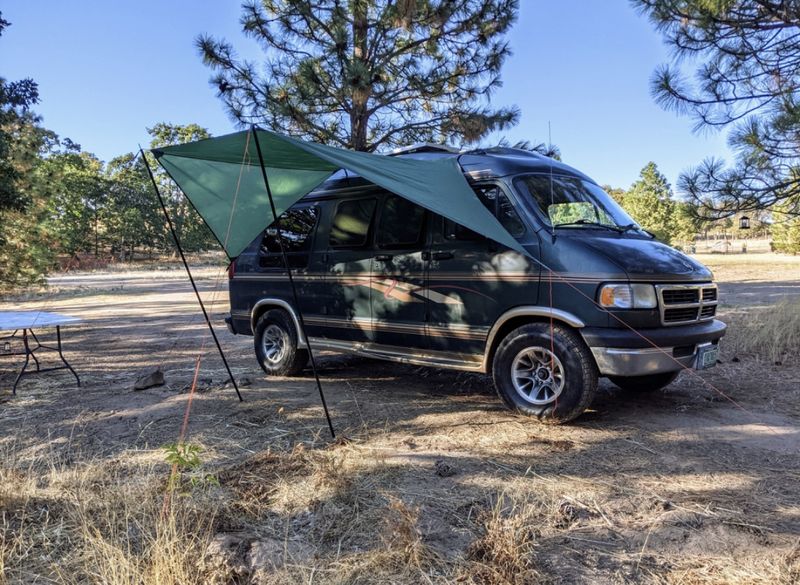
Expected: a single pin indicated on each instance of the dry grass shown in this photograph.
(98, 522)
(339, 515)
(751, 267)
(769, 333)
(669, 489)
(726, 570)
(505, 551)
(339, 498)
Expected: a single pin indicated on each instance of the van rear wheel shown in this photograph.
(275, 340)
(649, 383)
(552, 379)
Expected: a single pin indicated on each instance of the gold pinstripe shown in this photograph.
(457, 331)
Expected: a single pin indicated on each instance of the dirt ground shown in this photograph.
(690, 485)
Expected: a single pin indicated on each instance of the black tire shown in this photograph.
(578, 379)
(279, 328)
(649, 383)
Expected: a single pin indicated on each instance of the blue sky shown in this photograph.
(107, 70)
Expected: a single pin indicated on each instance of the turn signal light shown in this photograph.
(628, 296)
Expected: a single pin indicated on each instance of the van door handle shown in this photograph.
(384, 257)
(442, 255)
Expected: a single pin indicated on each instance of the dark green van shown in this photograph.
(379, 276)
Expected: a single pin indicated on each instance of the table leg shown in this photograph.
(33, 351)
(61, 355)
(27, 361)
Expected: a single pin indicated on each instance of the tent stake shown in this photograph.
(291, 281)
(189, 272)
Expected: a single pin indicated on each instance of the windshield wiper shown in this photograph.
(607, 226)
(633, 226)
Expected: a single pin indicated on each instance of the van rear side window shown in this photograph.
(400, 224)
(297, 226)
(351, 223)
(495, 201)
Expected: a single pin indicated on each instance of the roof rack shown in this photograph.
(424, 147)
(507, 150)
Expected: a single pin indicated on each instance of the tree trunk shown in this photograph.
(361, 87)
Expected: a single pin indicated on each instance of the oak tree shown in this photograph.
(16, 98)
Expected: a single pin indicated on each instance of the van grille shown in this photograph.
(680, 315)
(709, 311)
(686, 303)
(678, 296)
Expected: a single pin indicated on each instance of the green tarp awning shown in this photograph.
(222, 178)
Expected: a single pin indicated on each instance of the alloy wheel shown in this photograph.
(537, 375)
(274, 344)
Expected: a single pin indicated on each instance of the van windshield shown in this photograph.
(572, 202)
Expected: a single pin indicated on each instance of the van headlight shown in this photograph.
(628, 296)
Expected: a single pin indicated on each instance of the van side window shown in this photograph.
(350, 226)
(297, 226)
(495, 201)
(400, 223)
(508, 217)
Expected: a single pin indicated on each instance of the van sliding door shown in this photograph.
(347, 278)
(398, 275)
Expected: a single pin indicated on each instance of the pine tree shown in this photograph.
(786, 230)
(649, 202)
(368, 74)
(745, 55)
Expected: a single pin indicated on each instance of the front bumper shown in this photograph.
(622, 352)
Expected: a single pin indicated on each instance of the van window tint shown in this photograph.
(507, 215)
(400, 224)
(351, 222)
(571, 201)
(296, 229)
(495, 201)
(456, 231)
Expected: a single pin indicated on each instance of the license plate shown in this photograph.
(706, 357)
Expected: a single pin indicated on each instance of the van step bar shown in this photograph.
(440, 359)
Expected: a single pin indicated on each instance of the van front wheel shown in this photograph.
(275, 339)
(551, 377)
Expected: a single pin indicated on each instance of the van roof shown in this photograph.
(480, 164)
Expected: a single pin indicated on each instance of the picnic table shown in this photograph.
(22, 325)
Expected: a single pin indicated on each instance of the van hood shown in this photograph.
(647, 259)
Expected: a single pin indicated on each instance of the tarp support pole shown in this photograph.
(291, 280)
(189, 272)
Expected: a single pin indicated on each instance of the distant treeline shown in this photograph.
(652, 204)
(76, 206)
